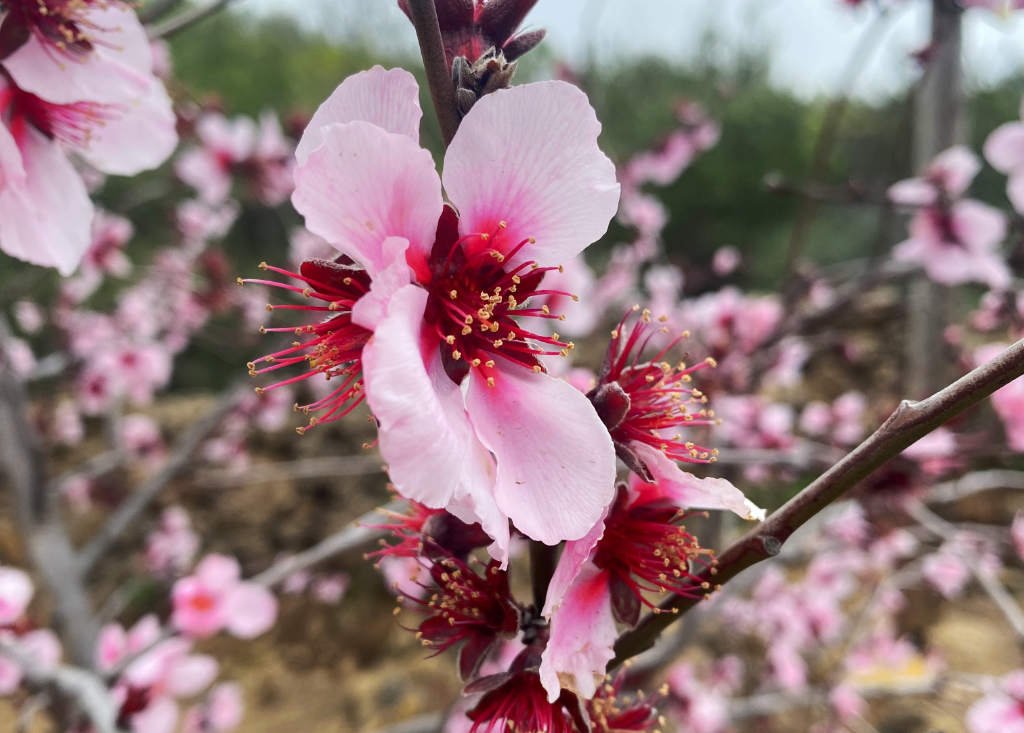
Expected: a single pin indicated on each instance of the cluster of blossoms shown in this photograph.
(441, 317)
(75, 78)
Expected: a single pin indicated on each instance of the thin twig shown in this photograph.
(156, 9)
(999, 595)
(975, 483)
(439, 78)
(908, 424)
(427, 723)
(180, 461)
(79, 689)
(186, 19)
(357, 534)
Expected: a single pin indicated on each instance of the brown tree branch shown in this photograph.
(908, 424)
(178, 463)
(186, 19)
(439, 78)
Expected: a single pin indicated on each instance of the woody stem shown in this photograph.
(439, 78)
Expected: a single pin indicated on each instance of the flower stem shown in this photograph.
(439, 78)
(909, 423)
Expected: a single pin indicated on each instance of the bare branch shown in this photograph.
(427, 723)
(79, 689)
(439, 78)
(975, 483)
(355, 535)
(178, 463)
(304, 468)
(909, 423)
(188, 18)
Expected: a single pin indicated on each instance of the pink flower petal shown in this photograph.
(387, 98)
(556, 462)
(1004, 148)
(955, 168)
(582, 637)
(116, 70)
(395, 274)
(574, 557)
(159, 716)
(417, 405)
(528, 156)
(362, 185)
(1015, 191)
(29, 230)
(251, 610)
(15, 594)
(218, 572)
(111, 646)
(691, 492)
(139, 138)
(191, 674)
(912, 192)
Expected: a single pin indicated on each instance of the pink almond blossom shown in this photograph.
(95, 96)
(1004, 149)
(1002, 709)
(215, 597)
(444, 303)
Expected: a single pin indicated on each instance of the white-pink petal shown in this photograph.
(528, 156)
(250, 610)
(45, 219)
(555, 459)
(691, 492)
(1004, 148)
(15, 594)
(141, 136)
(417, 406)
(363, 185)
(387, 98)
(582, 637)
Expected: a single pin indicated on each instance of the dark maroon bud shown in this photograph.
(12, 36)
(454, 535)
(500, 18)
(518, 46)
(611, 402)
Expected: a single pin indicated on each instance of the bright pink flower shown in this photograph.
(95, 95)
(700, 707)
(452, 361)
(641, 547)
(216, 598)
(116, 645)
(1002, 709)
(947, 176)
(40, 645)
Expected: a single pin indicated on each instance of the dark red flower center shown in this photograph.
(60, 24)
(478, 300)
(70, 123)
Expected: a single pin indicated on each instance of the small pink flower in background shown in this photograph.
(200, 222)
(726, 260)
(141, 438)
(936, 453)
(1017, 533)
(842, 421)
(1004, 150)
(81, 82)
(215, 597)
(955, 240)
(1007, 401)
(701, 706)
(116, 645)
(331, 588)
(171, 548)
(40, 645)
(221, 712)
(1001, 710)
(256, 151)
(946, 571)
(29, 317)
(452, 358)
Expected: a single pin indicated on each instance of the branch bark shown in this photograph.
(439, 78)
(178, 463)
(910, 422)
(186, 19)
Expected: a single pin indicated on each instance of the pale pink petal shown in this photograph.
(582, 637)
(15, 594)
(225, 706)
(144, 633)
(363, 185)
(117, 69)
(417, 405)
(12, 172)
(251, 610)
(29, 228)
(955, 168)
(1004, 148)
(41, 646)
(111, 646)
(191, 675)
(555, 459)
(912, 192)
(1015, 191)
(691, 492)
(528, 156)
(140, 137)
(575, 555)
(218, 572)
(387, 98)
(200, 169)
(395, 274)
(159, 716)
(10, 676)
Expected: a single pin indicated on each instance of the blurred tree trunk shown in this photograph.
(939, 123)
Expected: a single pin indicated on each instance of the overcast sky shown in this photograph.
(809, 41)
